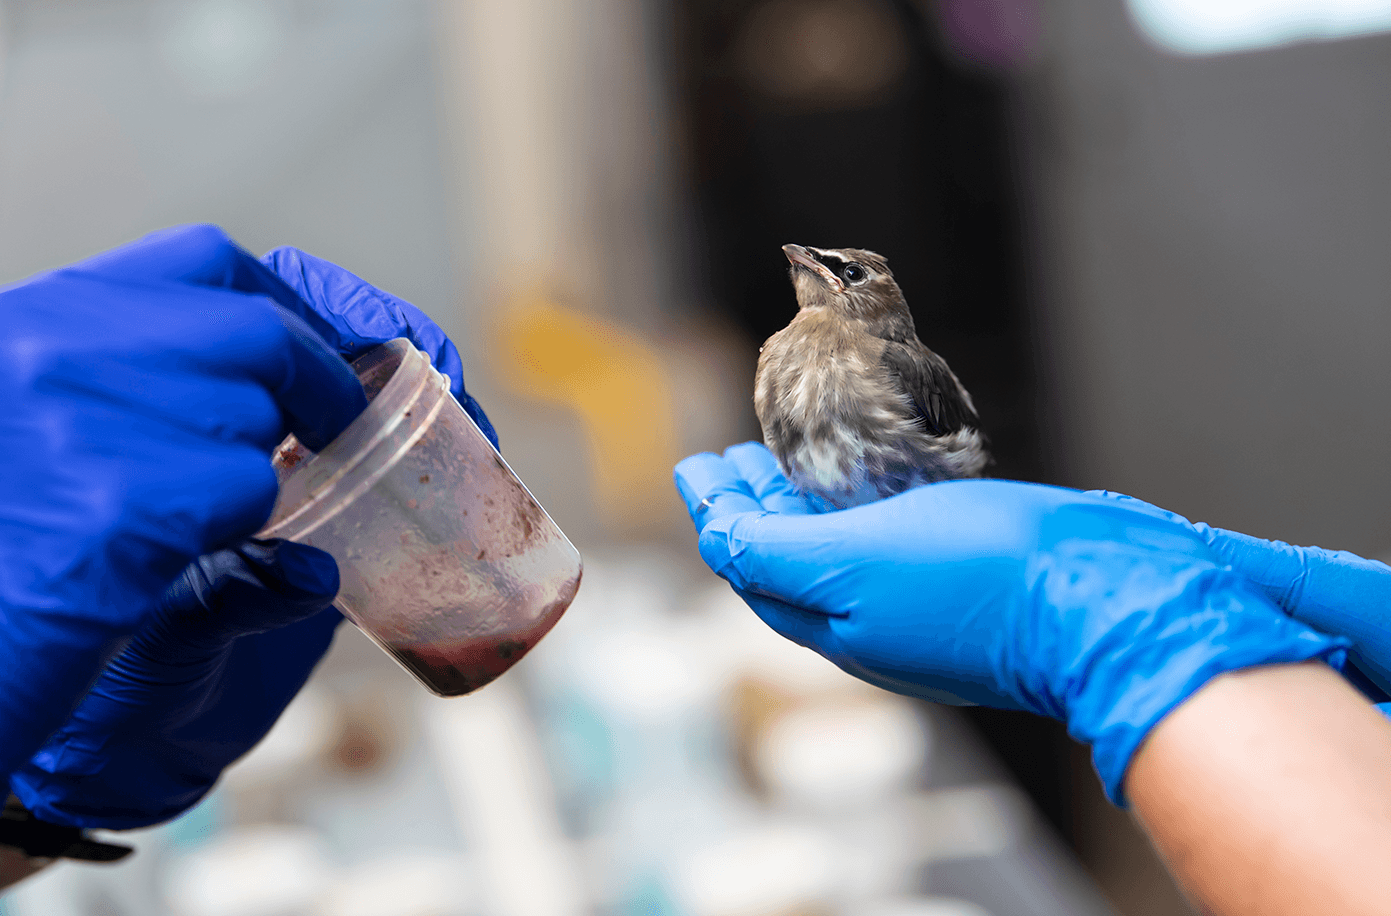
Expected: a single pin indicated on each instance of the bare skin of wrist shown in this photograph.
(1269, 791)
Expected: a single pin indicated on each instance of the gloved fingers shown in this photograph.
(711, 487)
(201, 255)
(1336, 592)
(256, 586)
(1297, 580)
(765, 479)
(299, 572)
(319, 394)
(717, 489)
(266, 332)
(103, 536)
(362, 316)
(1278, 569)
(144, 390)
(793, 557)
(799, 560)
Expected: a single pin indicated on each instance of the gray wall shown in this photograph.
(1214, 249)
(308, 123)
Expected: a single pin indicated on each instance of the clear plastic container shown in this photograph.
(446, 560)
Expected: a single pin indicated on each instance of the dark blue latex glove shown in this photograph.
(232, 640)
(142, 392)
(362, 316)
(229, 645)
(1331, 590)
(996, 593)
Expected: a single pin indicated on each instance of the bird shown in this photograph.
(853, 406)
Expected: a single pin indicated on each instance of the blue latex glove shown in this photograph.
(362, 316)
(142, 392)
(234, 638)
(994, 592)
(1333, 591)
(226, 649)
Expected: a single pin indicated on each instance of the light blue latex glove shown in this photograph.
(1330, 590)
(994, 592)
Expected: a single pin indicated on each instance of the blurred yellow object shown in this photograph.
(612, 377)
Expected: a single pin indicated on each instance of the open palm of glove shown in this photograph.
(993, 592)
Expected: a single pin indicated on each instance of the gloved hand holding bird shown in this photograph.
(853, 406)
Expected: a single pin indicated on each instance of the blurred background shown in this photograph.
(1150, 237)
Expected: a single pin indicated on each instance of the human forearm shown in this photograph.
(1268, 792)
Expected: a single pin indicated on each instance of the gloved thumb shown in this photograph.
(258, 585)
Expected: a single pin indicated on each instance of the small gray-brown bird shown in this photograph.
(853, 406)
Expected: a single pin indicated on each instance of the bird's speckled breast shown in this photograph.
(829, 411)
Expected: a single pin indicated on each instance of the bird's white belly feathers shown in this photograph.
(856, 431)
(840, 405)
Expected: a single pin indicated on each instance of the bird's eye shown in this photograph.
(854, 273)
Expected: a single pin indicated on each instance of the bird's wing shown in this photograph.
(933, 388)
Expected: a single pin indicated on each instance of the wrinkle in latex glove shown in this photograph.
(994, 592)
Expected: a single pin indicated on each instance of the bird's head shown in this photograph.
(850, 281)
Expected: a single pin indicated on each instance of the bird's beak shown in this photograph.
(796, 254)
